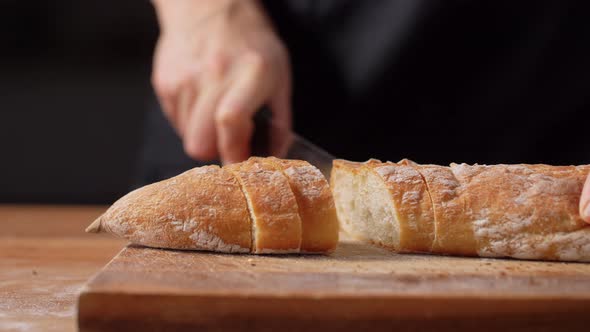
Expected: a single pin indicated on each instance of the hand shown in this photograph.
(585, 201)
(216, 63)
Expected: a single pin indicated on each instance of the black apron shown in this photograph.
(433, 81)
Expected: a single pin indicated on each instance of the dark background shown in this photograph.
(433, 81)
(74, 85)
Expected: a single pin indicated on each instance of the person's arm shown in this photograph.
(585, 201)
(216, 63)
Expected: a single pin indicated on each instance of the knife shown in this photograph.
(299, 147)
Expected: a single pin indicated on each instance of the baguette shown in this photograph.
(520, 211)
(201, 209)
(263, 205)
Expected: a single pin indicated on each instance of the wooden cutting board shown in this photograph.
(359, 287)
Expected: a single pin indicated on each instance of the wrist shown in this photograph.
(182, 14)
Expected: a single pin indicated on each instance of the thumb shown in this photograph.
(585, 201)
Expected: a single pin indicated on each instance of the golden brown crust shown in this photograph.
(412, 204)
(526, 211)
(202, 209)
(521, 211)
(210, 208)
(453, 231)
(273, 207)
(316, 205)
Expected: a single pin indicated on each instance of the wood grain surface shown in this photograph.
(359, 287)
(45, 259)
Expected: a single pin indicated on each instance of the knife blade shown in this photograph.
(298, 146)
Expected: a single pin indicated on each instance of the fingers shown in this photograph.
(200, 135)
(234, 116)
(585, 201)
(167, 96)
(176, 93)
(185, 104)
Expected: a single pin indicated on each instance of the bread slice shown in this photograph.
(276, 225)
(201, 209)
(384, 203)
(452, 227)
(411, 203)
(319, 224)
(347, 181)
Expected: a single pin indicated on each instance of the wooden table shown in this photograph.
(45, 258)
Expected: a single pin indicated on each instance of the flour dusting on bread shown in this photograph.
(206, 240)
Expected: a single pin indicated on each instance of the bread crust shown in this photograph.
(272, 204)
(201, 209)
(319, 224)
(521, 211)
(453, 231)
(526, 211)
(252, 206)
(412, 204)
